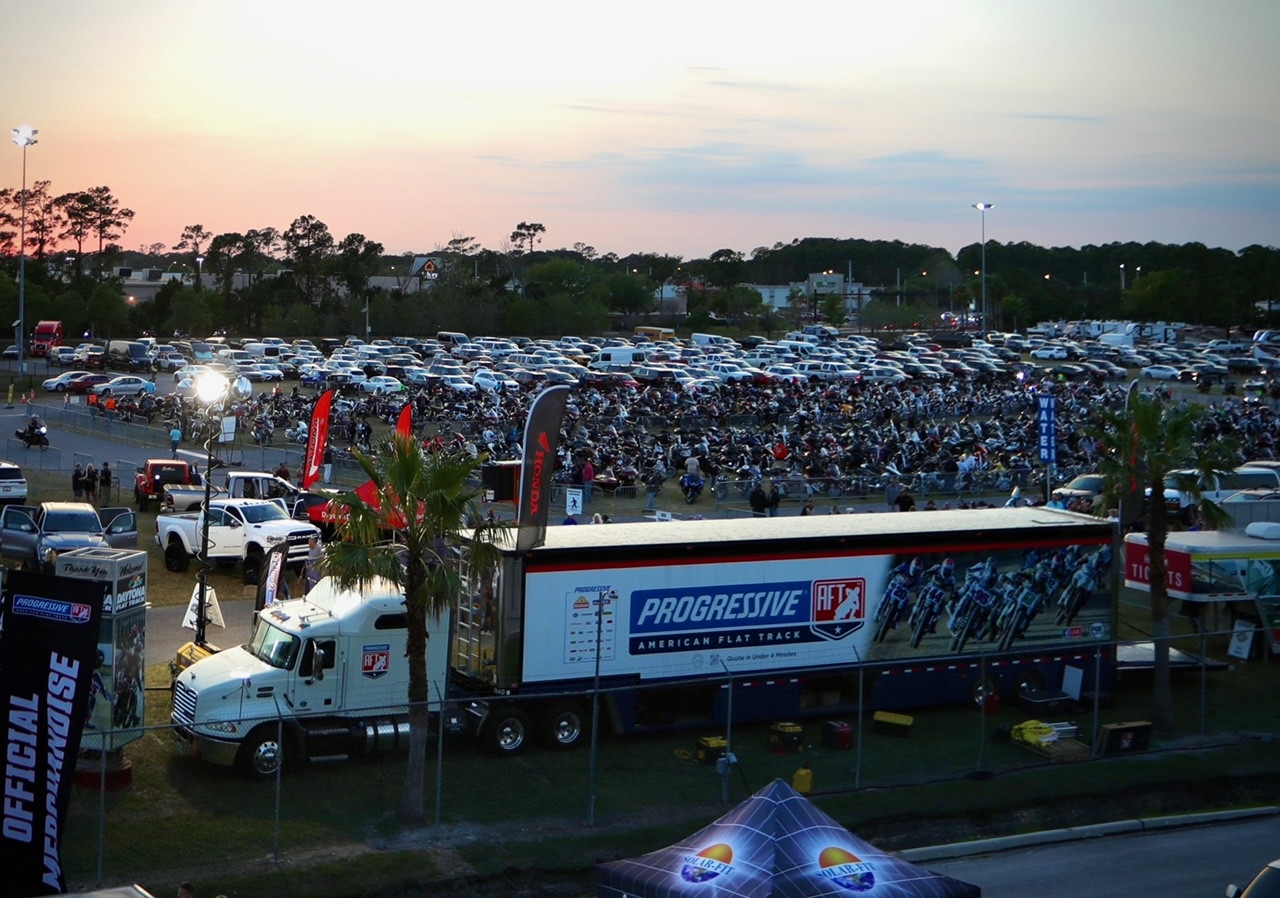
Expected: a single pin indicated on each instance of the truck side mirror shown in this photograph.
(317, 664)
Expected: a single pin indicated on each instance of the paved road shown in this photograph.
(1193, 861)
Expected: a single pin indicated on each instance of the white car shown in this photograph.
(493, 381)
(1049, 351)
(59, 384)
(383, 383)
(1160, 372)
(125, 385)
(458, 383)
(784, 374)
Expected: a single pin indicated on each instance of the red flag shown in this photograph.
(404, 426)
(317, 439)
(541, 435)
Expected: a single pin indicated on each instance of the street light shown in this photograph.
(210, 387)
(1121, 277)
(23, 136)
(982, 209)
(199, 270)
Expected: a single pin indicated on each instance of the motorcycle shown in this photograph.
(691, 485)
(299, 434)
(38, 437)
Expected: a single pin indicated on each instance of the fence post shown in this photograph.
(102, 809)
(439, 755)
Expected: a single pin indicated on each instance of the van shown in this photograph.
(799, 348)
(262, 350)
(450, 339)
(620, 355)
(128, 355)
(713, 341)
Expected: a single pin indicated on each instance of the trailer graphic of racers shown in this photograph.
(904, 579)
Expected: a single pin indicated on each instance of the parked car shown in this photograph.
(1160, 372)
(61, 383)
(13, 484)
(86, 382)
(29, 533)
(1265, 885)
(125, 385)
(1086, 486)
(493, 381)
(382, 384)
(1050, 351)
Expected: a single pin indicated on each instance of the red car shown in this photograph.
(86, 382)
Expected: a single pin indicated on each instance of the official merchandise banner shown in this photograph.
(49, 656)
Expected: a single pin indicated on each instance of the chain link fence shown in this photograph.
(152, 813)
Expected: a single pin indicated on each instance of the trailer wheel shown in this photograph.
(262, 753)
(983, 689)
(176, 558)
(1029, 681)
(507, 730)
(561, 726)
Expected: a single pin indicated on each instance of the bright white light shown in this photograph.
(211, 386)
(25, 136)
(983, 207)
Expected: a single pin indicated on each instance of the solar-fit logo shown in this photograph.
(53, 609)
(707, 864)
(839, 607)
(846, 869)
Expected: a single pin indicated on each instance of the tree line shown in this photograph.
(303, 280)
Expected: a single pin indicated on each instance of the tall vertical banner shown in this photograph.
(272, 584)
(48, 678)
(541, 436)
(404, 424)
(1047, 418)
(317, 439)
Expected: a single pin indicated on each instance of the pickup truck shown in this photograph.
(240, 530)
(156, 474)
(302, 504)
(28, 533)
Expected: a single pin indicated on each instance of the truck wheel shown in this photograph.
(176, 558)
(261, 754)
(252, 567)
(507, 730)
(561, 726)
(983, 689)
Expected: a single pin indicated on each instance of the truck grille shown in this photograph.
(184, 704)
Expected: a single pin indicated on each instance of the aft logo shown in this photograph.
(53, 609)
(375, 661)
(839, 607)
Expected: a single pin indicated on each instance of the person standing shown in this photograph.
(104, 478)
(652, 485)
(891, 493)
(588, 478)
(905, 501)
(773, 498)
(328, 463)
(312, 565)
(807, 510)
(91, 484)
(758, 499)
(175, 438)
(77, 483)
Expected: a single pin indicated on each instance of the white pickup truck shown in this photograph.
(240, 530)
(232, 485)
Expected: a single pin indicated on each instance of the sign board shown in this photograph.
(212, 613)
(1047, 418)
(573, 500)
(1241, 640)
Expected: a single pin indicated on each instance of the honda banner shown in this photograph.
(541, 436)
(49, 659)
(317, 440)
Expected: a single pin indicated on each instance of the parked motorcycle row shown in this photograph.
(988, 605)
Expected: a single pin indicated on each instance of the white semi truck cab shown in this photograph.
(323, 677)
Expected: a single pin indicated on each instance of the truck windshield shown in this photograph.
(274, 646)
(72, 522)
(257, 514)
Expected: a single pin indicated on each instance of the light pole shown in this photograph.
(210, 387)
(199, 272)
(982, 209)
(1121, 277)
(24, 136)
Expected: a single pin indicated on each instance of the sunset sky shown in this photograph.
(664, 127)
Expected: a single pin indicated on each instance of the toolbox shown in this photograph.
(711, 749)
(786, 737)
(837, 735)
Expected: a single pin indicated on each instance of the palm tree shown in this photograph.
(1142, 444)
(425, 499)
